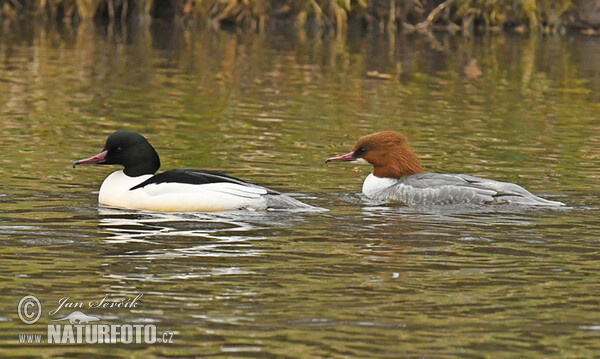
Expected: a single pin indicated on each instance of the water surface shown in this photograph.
(361, 280)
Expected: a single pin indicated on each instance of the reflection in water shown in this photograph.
(132, 226)
(145, 226)
(364, 279)
(221, 234)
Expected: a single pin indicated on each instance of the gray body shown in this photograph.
(446, 189)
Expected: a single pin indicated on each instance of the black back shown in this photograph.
(193, 177)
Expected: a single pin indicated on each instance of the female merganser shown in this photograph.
(399, 177)
(137, 187)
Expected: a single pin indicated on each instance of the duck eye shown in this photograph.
(119, 149)
(362, 150)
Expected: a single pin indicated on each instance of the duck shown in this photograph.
(398, 176)
(137, 186)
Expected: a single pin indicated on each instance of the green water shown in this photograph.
(361, 280)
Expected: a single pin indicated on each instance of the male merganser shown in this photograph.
(137, 187)
(399, 177)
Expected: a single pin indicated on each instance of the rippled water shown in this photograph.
(361, 280)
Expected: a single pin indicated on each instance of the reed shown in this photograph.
(466, 16)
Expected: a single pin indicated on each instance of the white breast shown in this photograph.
(178, 197)
(373, 185)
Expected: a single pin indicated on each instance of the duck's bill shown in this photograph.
(348, 157)
(99, 158)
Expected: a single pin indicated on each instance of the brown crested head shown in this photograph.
(389, 154)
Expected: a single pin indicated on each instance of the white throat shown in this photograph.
(373, 185)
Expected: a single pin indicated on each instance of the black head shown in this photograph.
(129, 149)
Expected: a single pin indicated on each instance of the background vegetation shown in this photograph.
(466, 16)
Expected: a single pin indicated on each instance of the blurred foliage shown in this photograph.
(467, 16)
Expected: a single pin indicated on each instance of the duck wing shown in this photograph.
(437, 188)
(507, 192)
(227, 184)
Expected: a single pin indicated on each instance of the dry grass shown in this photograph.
(465, 16)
